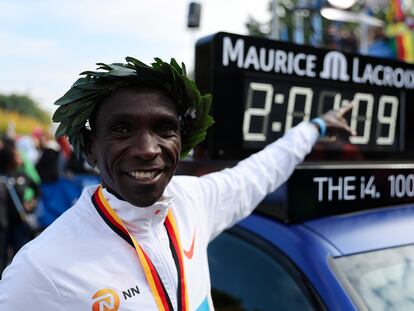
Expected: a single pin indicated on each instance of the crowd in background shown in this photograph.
(40, 178)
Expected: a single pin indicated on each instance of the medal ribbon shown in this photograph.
(157, 287)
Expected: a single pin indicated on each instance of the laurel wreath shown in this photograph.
(77, 105)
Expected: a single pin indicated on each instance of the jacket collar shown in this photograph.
(140, 220)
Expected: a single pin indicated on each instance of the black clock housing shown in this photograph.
(261, 88)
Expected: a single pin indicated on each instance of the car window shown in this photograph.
(379, 280)
(245, 277)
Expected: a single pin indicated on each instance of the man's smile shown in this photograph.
(144, 176)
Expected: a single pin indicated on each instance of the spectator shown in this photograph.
(16, 201)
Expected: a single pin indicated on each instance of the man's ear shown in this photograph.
(89, 151)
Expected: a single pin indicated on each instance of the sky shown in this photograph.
(45, 44)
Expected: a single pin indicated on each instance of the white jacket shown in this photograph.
(79, 263)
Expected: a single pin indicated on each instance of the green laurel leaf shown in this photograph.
(78, 103)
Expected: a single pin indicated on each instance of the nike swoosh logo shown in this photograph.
(189, 253)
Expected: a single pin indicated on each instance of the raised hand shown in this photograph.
(336, 124)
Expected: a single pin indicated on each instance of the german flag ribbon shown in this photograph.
(157, 287)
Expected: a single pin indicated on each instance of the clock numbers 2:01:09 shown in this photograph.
(361, 117)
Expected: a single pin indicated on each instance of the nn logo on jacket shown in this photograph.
(105, 300)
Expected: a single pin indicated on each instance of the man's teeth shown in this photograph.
(143, 175)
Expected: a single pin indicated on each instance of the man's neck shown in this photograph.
(113, 193)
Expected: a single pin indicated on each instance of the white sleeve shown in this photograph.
(232, 194)
(24, 286)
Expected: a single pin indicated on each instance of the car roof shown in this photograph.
(367, 230)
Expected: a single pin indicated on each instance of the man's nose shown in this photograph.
(147, 146)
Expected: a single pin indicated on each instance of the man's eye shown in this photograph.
(120, 130)
(167, 129)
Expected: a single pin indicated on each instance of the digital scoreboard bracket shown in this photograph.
(261, 88)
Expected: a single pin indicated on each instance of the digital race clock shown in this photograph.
(261, 88)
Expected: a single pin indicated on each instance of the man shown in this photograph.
(139, 241)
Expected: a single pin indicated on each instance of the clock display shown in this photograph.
(273, 107)
(261, 88)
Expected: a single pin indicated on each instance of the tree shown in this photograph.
(302, 18)
(287, 11)
(22, 115)
(25, 106)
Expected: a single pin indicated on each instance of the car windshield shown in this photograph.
(380, 280)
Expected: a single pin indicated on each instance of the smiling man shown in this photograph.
(135, 141)
(139, 240)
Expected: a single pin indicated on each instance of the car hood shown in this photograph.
(368, 230)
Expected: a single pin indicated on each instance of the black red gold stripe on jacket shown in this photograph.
(157, 287)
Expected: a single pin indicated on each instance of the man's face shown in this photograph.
(136, 143)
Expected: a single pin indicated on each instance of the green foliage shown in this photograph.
(23, 125)
(76, 106)
(256, 29)
(24, 105)
(286, 18)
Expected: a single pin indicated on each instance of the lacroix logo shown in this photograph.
(335, 66)
(105, 300)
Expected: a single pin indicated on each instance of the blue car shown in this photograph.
(357, 261)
